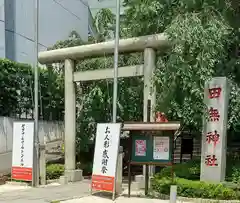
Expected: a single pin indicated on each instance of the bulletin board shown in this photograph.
(150, 144)
(153, 149)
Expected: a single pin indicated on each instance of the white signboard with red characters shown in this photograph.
(213, 155)
(105, 157)
(22, 153)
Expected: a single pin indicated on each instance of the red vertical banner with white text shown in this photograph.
(214, 142)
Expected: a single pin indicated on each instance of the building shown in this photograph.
(96, 5)
(57, 18)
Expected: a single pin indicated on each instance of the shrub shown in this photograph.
(194, 189)
(191, 170)
(235, 175)
(233, 170)
(188, 170)
(86, 167)
(54, 171)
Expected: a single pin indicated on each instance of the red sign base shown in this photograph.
(102, 183)
(22, 173)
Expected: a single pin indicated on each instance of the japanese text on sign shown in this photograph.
(105, 156)
(214, 137)
(215, 92)
(105, 151)
(211, 160)
(213, 116)
(22, 144)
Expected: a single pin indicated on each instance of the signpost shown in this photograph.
(214, 142)
(22, 153)
(105, 157)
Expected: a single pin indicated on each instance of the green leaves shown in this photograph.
(205, 40)
(104, 22)
(14, 82)
(17, 90)
(198, 46)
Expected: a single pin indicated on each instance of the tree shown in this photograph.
(205, 43)
(205, 38)
(17, 90)
(14, 82)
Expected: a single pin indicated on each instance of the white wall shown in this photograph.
(49, 131)
(2, 29)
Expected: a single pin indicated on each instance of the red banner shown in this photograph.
(22, 173)
(102, 183)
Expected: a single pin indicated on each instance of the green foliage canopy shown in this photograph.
(16, 95)
(205, 43)
(205, 38)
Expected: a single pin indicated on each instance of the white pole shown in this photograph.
(115, 77)
(115, 81)
(173, 194)
(35, 180)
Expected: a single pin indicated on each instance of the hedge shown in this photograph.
(188, 170)
(187, 175)
(194, 189)
(54, 171)
(191, 170)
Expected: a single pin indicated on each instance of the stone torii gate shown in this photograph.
(147, 44)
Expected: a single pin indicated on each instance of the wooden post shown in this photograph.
(146, 179)
(172, 171)
(129, 164)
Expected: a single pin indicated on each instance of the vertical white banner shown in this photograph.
(105, 156)
(22, 153)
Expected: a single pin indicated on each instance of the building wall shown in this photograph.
(96, 5)
(57, 18)
(2, 29)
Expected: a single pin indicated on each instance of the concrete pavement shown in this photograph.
(118, 200)
(78, 192)
(23, 194)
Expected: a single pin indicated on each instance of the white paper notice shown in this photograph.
(161, 147)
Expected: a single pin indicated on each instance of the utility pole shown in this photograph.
(35, 180)
(115, 79)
